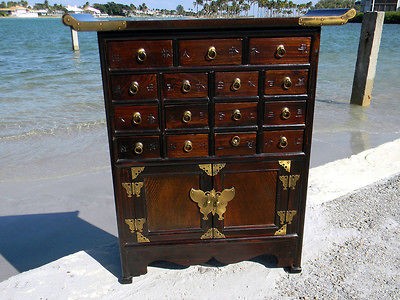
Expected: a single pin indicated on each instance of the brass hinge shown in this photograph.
(212, 233)
(212, 169)
(133, 188)
(136, 227)
(289, 181)
(285, 217)
(286, 164)
(212, 201)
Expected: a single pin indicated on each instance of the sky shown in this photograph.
(169, 4)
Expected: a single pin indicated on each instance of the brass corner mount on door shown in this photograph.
(285, 218)
(212, 201)
(212, 169)
(286, 164)
(136, 227)
(212, 233)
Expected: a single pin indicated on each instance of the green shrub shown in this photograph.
(391, 17)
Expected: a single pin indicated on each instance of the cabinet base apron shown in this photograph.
(227, 251)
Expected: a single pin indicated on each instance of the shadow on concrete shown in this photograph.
(30, 241)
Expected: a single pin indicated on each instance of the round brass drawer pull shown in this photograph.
(137, 118)
(280, 51)
(283, 142)
(236, 84)
(286, 83)
(211, 53)
(138, 148)
(188, 146)
(141, 55)
(237, 115)
(235, 141)
(187, 117)
(186, 86)
(134, 88)
(285, 114)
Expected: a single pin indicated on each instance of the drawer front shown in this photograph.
(284, 113)
(230, 144)
(235, 114)
(186, 116)
(283, 141)
(236, 84)
(286, 82)
(286, 50)
(134, 87)
(210, 52)
(136, 117)
(140, 147)
(187, 145)
(139, 54)
(185, 85)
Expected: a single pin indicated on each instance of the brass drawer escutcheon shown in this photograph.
(283, 142)
(286, 83)
(211, 53)
(236, 85)
(138, 148)
(280, 51)
(186, 86)
(235, 141)
(141, 55)
(212, 201)
(134, 88)
(188, 146)
(187, 117)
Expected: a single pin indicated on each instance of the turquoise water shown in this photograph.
(51, 100)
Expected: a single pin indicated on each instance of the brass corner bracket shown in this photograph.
(212, 169)
(135, 171)
(136, 227)
(322, 17)
(212, 233)
(286, 164)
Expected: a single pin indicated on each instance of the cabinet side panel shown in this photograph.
(168, 202)
(255, 198)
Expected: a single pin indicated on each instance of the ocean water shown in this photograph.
(52, 120)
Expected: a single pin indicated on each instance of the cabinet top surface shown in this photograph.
(316, 18)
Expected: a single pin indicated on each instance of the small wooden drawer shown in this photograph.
(286, 82)
(185, 85)
(285, 113)
(186, 116)
(134, 87)
(139, 54)
(288, 50)
(187, 145)
(230, 144)
(283, 141)
(139, 147)
(136, 117)
(235, 114)
(236, 84)
(210, 52)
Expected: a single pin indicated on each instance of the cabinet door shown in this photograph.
(263, 201)
(156, 204)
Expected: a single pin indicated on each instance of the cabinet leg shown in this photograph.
(293, 269)
(126, 280)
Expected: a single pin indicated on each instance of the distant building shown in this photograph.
(20, 12)
(380, 5)
(93, 11)
(74, 9)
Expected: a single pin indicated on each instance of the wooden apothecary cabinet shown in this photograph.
(209, 125)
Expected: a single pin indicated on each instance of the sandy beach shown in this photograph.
(350, 245)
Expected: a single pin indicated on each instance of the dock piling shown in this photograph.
(75, 40)
(368, 48)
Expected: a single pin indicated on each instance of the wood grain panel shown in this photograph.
(168, 202)
(255, 198)
(123, 54)
(294, 141)
(275, 113)
(224, 145)
(173, 85)
(174, 116)
(194, 52)
(264, 50)
(225, 114)
(274, 82)
(126, 147)
(224, 84)
(120, 87)
(176, 143)
(123, 117)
